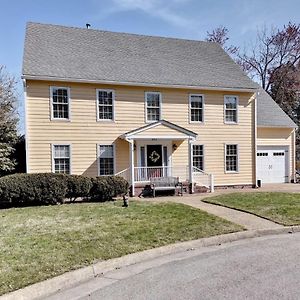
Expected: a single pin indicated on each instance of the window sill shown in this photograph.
(231, 123)
(105, 121)
(232, 172)
(60, 120)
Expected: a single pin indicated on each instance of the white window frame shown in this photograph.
(52, 118)
(238, 158)
(190, 108)
(203, 150)
(98, 158)
(237, 110)
(52, 155)
(113, 104)
(146, 106)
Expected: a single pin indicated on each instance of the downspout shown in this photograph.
(255, 137)
(25, 123)
(294, 155)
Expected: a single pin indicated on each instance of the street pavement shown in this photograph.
(258, 268)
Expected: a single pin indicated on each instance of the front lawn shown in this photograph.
(283, 208)
(42, 242)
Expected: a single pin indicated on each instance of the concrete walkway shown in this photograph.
(248, 221)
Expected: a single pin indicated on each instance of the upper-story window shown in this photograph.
(153, 106)
(60, 103)
(196, 103)
(105, 107)
(231, 109)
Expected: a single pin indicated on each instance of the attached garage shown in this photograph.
(272, 164)
(275, 157)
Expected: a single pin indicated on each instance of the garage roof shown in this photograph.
(269, 113)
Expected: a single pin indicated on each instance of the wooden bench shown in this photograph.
(166, 184)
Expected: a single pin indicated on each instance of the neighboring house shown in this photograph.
(103, 103)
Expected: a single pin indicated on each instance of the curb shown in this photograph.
(69, 279)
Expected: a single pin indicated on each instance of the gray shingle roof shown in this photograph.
(76, 53)
(269, 113)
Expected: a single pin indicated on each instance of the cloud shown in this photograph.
(164, 10)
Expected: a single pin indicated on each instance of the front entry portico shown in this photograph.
(151, 149)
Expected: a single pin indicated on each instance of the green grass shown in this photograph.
(41, 242)
(283, 208)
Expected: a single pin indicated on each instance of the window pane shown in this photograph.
(196, 106)
(198, 156)
(196, 115)
(153, 99)
(62, 159)
(106, 159)
(105, 105)
(231, 116)
(153, 114)
(231, 102)
(231, 158)
(60, 100)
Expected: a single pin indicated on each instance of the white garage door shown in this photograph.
(272, 164)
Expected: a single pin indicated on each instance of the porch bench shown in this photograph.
(166, 184)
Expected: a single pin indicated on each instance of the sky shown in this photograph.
(189, 19)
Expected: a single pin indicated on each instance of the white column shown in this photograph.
(212, 183)
(131, 160)
(191, 166)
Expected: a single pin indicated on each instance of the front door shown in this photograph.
(154, 160)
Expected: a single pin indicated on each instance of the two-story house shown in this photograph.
(102, 103)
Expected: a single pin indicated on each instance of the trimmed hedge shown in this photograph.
(41, 188)
(49, 188)
(77, 186)
(107, 187)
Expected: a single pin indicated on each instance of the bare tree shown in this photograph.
(220, 35)
(8, 121)
(272, 50)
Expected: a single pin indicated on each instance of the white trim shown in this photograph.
(238, 158)
(162, 137)
(26, 124)
(237, 110)
(277, 126)
(202, 110)
(113, 105)
(144, 84)
(133, 133)
(98, 158)
(146, 106)
(51, 104)
(52, 155)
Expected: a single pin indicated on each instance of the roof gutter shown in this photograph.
(143, 84)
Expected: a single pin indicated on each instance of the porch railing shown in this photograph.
(145, 173)
(142, 174)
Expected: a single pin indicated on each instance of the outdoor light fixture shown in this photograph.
(174, 147)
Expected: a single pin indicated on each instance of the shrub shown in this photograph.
(78, 186)
(106, 187)
(40, 188)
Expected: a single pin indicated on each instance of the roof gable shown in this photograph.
(160, 129)
(84, 54)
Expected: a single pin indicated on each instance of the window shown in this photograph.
(60, 103)
(106, 160)
(196, 108)
(61, 159)
(231, 109)
(153, 106)
(105, 100)
(198, 157)
(231, 158)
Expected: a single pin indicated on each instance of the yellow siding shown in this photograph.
(278, 137)
(83, 132)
